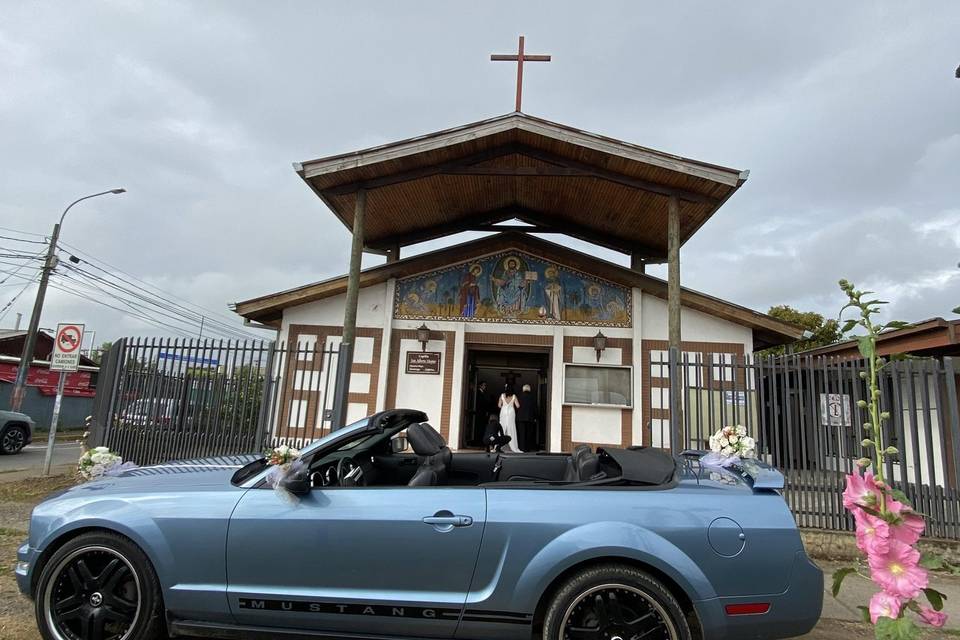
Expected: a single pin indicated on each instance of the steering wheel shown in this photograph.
(349, 473)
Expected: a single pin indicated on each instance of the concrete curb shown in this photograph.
(842, 546)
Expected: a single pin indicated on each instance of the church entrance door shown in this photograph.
(488, 372)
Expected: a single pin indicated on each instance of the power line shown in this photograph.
(144, 318)
(25, 233)
(92, 260)
(162, 303)
(3, 312)
(154, 308)
(23, 240)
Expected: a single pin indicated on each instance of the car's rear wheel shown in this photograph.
(13, 439)
(614, 602)
(98, 586)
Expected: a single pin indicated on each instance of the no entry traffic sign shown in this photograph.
(66, 347)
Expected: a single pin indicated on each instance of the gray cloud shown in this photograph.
(847, 116)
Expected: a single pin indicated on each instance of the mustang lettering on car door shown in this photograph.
(383, 560)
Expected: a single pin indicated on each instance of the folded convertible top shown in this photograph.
(643, 465)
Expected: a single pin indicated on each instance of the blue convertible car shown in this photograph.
(370, 541)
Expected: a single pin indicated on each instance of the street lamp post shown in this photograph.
(26, 357)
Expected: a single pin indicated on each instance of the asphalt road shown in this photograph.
(30, 460)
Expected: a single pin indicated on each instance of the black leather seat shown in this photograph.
(435, 455)
(572, 473)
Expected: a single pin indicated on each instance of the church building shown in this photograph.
(445, 331)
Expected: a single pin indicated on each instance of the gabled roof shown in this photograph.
(935, 337)
(767, 331)
(562, 179)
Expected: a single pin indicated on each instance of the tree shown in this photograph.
(97, 353)
(824, 331)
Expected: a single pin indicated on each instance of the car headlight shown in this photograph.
(23, 568)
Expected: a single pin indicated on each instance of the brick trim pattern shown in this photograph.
(506, 339)
(317, 368)
(567, 442)
(650, 382)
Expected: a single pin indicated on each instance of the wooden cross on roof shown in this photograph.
(519, 58)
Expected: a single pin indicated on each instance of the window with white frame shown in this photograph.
(598, 385)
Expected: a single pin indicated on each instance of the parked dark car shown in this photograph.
(16, 431)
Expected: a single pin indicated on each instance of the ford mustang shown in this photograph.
(367, 539)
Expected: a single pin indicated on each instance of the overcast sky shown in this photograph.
(846, 114)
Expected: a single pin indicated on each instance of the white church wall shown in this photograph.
(695, 326)
(596, 424)
(421, 391)
(329, 311)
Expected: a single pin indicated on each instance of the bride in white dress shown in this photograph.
(509, 404)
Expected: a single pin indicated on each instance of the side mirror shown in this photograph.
(298, 483)
(398, 444)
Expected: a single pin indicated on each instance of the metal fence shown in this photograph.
(159, 400)
(803, 412)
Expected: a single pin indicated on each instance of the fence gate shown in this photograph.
(160, 400)
(803, 412)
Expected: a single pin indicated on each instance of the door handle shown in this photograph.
(444, 521)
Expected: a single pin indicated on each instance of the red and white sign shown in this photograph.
(66, 347)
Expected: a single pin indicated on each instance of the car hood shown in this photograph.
(180, 475)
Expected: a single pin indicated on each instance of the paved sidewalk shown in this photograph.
(857, 592)
(29, 462)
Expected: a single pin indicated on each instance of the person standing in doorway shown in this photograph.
(527, 419)
(481, 409)
(509, 404)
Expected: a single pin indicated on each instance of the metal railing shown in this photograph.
(803, 412)
(159, 400)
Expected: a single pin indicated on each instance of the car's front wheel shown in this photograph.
(12, 440)
(98, 586)
(614, 602)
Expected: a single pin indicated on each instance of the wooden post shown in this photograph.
(393, 253)
(637, 263)
(345, 357)
(673, 321)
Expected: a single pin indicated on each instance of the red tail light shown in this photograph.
(747, 609)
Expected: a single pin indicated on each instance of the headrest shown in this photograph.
(424, 439)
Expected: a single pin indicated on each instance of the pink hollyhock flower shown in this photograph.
(884, 605)
(897, 571)
(861, 491)
(911, 526)
(933, 618)
(873, 533)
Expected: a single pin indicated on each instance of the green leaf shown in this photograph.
(865, 346)
(900, 496)
(935, 598)
(956, 310)
(865, 612)
(896, 324)
(899, 629)
(848, 326)
(931, 561)
(838, 577)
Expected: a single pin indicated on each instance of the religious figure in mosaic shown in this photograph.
(470, 291)
(513, 287)
(510, 287)
(553, 293)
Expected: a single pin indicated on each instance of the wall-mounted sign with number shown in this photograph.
(835, 409)
(423, 362)
(66, 347)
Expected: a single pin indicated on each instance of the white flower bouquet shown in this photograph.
(99, 462)
(284, 462)
(729, 446)
(281, 456)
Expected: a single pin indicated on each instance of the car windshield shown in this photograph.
(359, 425)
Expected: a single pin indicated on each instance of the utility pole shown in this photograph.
(30, 341)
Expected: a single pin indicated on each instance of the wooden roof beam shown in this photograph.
(591, 235)
(467, 223)
(613, 176)
(420, 172)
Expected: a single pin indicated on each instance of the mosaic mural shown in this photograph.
(513, 287)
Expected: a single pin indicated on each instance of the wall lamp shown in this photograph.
(599, 343)
(423, 335)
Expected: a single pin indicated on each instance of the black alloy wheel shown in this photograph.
(13, 440)
(614, 602)
(98, 586)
